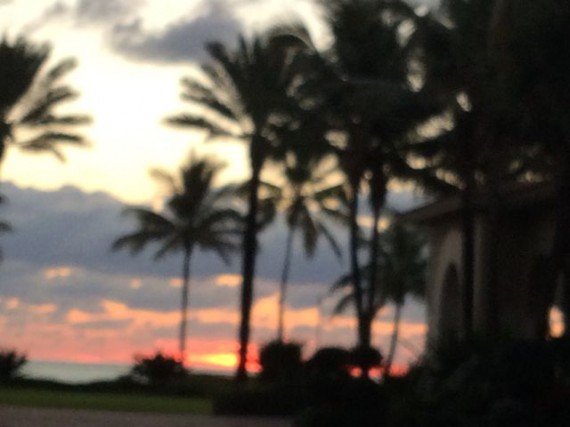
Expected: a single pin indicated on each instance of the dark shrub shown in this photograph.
(158, 370)
(329, 362)
(365, 357)
(327, 374)
(280, 362)
(11, 362)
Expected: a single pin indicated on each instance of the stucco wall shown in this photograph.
(517, 241)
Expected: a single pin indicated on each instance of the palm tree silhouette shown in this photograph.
(376, 109)
(29, 97)
(308, 203)
(246, 95)
(401, 266)
(197, 215)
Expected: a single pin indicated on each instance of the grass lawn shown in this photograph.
(104, 401)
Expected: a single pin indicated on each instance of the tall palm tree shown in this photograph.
(401, 266)
(246, 94)
(377, 110)
(309, 201)
(29, 97)
(197, 216)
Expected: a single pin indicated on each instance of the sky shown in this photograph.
(63, 294)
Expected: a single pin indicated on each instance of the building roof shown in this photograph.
(512, 197)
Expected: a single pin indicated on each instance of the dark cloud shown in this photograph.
(56, 11)
(104, 11)
(181, 41)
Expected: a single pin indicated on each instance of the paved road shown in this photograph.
(38, 417)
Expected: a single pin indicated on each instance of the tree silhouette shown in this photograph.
(401, 266)
(307, 203)
(246, 94)
(377, 108)
(197, 216)
(30, 94)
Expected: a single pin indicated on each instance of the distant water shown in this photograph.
(73, 373)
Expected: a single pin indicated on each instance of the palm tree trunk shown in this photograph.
(184, 304)
(468, 258)
(354, 265)
(374, 247)
(4, 135)
(369, 305)
(249, 252)
(394, 339)
(283, 286)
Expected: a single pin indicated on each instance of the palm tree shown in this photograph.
(401, 266)
(245, 94)
(29, 97)
(377, 110)
(197, 216)
(308, 203)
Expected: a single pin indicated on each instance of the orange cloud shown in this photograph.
(175, 282)
(228, 280)
(53, 273)
(12, 303)
(215, 315)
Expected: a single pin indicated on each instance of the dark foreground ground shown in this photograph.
(39, 417)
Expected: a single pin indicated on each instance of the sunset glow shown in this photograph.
(64, 294)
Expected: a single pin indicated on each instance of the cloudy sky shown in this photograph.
(63, 294)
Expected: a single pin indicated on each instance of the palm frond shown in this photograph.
(193, 121)
(322, 229)
(150, 220)
(342, 304)
(49, 142)
(136, 241)
(58, 71)
(173, 243)
(46, 103)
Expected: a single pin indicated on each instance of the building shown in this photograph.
(511, 249)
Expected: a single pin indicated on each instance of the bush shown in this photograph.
(497, 383)
(280, 362)
(158, 370)
(329, 363)
(365, 357)
(11, 362)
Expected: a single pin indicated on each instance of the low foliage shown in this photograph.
(11, 362)
(158, 371)
(280, 362)
(523, 383)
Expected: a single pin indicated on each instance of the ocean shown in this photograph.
(73, 373)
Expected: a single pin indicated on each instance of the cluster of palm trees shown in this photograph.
(399, 95)
(459, 100)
